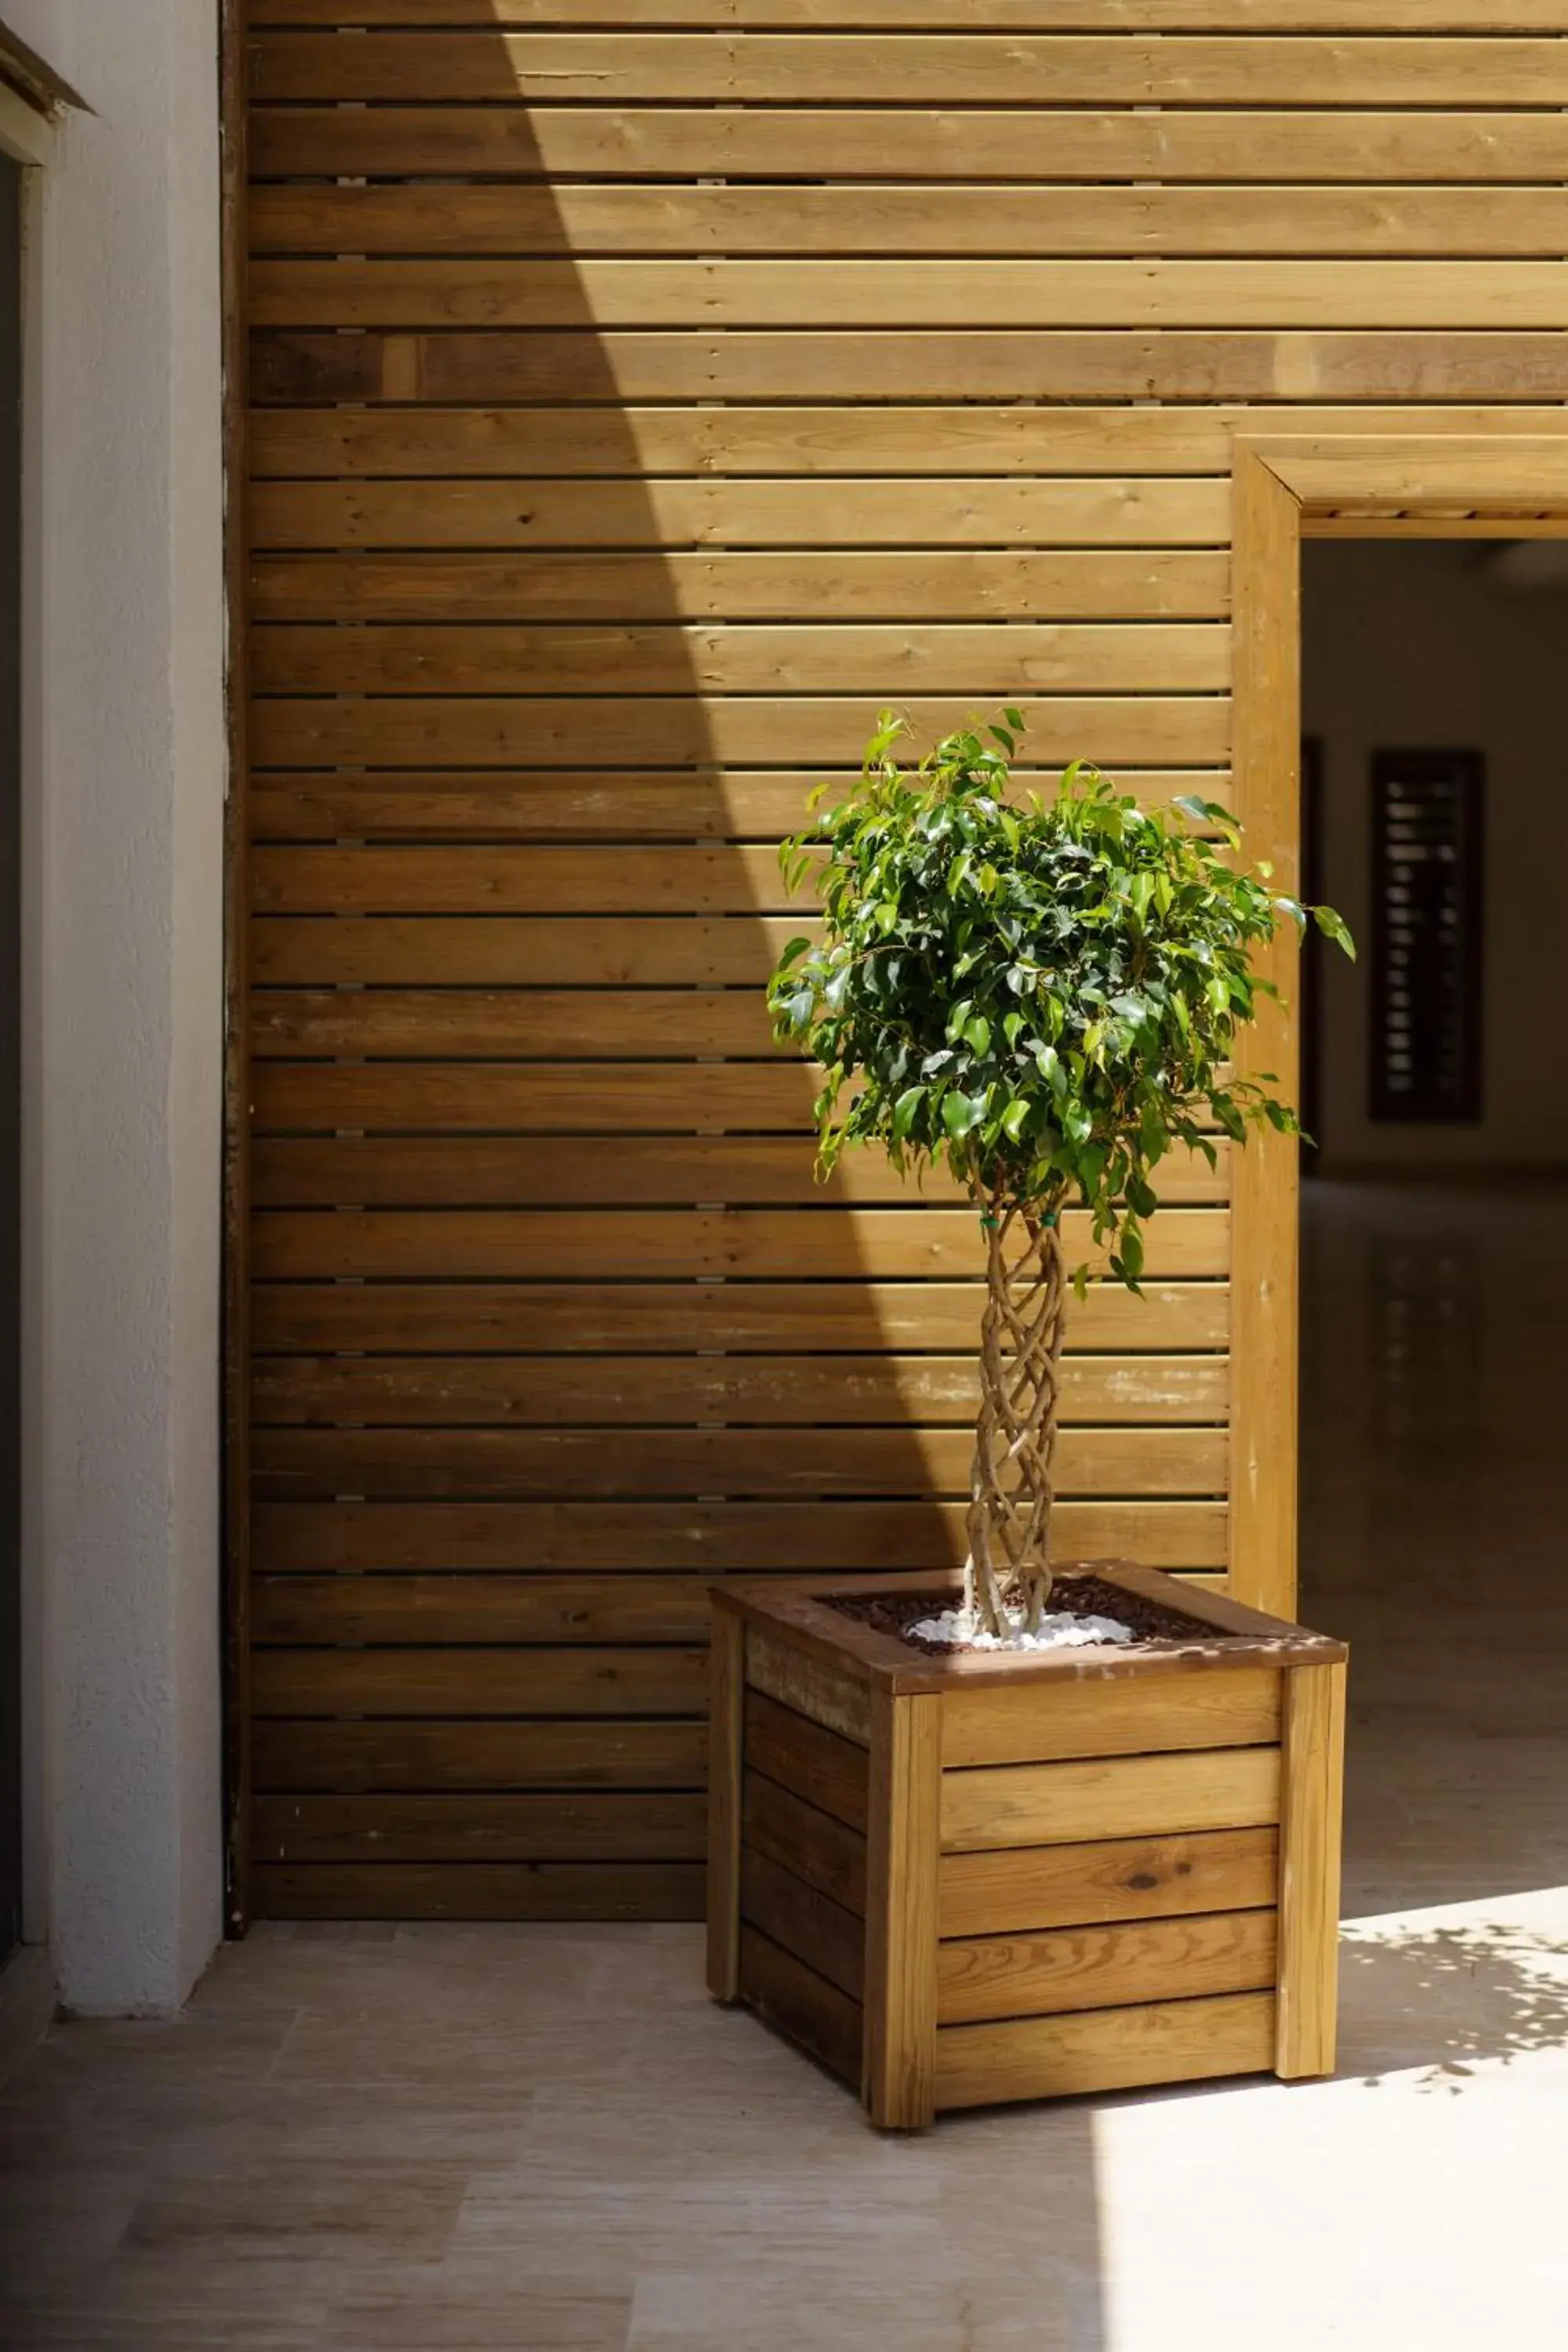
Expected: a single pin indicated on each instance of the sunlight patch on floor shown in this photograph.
(1414, 2201)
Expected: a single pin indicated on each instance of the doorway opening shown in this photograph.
(1434, 1288)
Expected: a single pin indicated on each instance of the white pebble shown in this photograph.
(1059, 1630)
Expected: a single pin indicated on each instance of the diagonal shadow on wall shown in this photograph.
(554, 1322)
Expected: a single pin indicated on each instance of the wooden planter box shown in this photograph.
(957, 1881)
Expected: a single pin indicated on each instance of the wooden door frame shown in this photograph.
(1285, 487)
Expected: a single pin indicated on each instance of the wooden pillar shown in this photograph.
(1265, 1211)
(903, 1841)
(1312, 1797)
(726, 1735)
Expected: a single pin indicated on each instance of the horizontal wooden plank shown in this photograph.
(479, 1890)
(406, 1170)
(381, 1828)
(1528, 476)
(447, 1464)
(1009, 1891)
(486, 219)
(548, 950)
(841, 1244)
(1122, 1796)
(578, 1024)
(477, 1682)
(543, 879)
(927, 16)
(681, 730)
(542, 1097)
(1106, 1967)
(1139, 513)
(903, 293)
(767, 1390)
(1020, 438)
(592, 806)
(800, 1537)
(840, 658)
(958, 69)
(984, 364)
(826, 1853)
(798, 2002)
(1104, 2050)
(611, 1318)
(1355, 145)
(598, 1096)
(600, 1754)
(812, 1763)
(426, 1610)
(808, 1925)
(552, 1024)
(450, 951)
(323, 952)
(1019, 1725)
(982, 584)
(739, 879)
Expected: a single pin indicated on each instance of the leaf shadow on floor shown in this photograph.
(1446, 2000)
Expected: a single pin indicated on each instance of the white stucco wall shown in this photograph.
(125, 783)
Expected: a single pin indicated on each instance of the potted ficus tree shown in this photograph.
(967, 1846)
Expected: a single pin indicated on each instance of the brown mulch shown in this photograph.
(1085, 1596)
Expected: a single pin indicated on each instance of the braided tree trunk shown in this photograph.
(1011, 1494)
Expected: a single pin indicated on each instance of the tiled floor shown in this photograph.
(464, 2139)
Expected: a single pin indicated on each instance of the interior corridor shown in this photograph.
(456, 2139)
(1433, 1496)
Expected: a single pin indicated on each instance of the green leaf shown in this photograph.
(889, 727)
(904, 1111)
(1334, 927)
(1228, 1115)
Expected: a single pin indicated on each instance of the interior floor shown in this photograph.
(461, 2139)
(1434, 1500)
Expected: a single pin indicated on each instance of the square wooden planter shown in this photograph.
(957, 1881)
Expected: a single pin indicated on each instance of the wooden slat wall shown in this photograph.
(644, 391)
